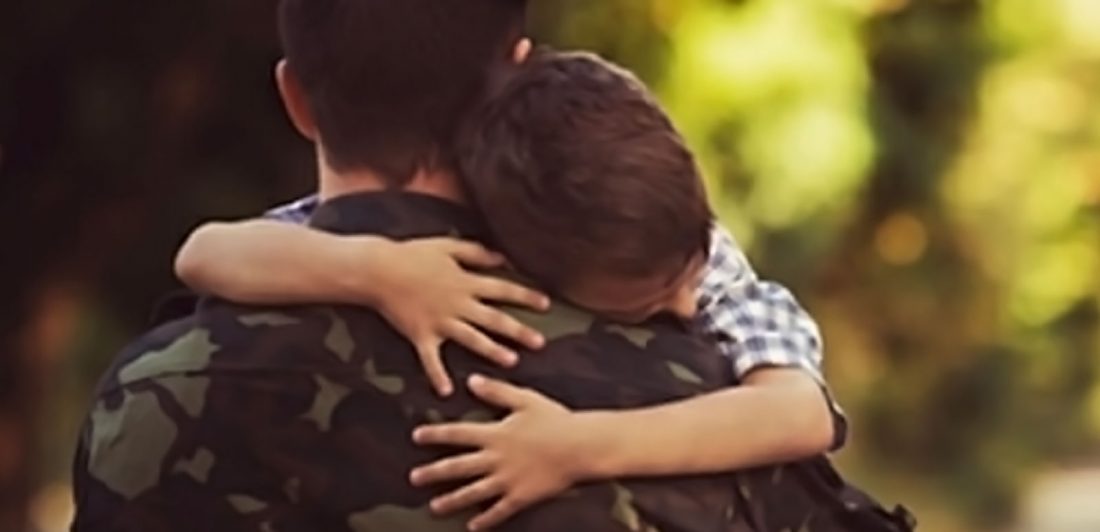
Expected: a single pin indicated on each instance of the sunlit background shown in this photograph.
(925, 174)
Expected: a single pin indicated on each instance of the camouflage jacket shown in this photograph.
(299, 419)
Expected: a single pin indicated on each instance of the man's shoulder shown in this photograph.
(565, 321)
(149, 344)
(318, 337)
(221, 335)
(660, 360)
(578, 338)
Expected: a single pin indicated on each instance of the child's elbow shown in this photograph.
(820, 436)
(190, 265)
(801, 411)
(818, 425)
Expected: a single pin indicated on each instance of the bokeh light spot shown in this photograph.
(902, 239)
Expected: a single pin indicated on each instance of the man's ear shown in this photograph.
(522, 51)
(295, 101)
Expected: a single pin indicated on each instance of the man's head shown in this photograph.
(588, 187)
(381, 85)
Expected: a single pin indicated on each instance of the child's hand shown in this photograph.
(534, 454)
(423, 290)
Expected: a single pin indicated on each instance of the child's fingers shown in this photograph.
(453, 468)
(480, 343)
(473, 254)
(500, 512)
(504, 394)
(428, 351)
(503, 291)
(497, 322)
(474, 493)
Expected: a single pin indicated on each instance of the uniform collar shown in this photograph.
(398, 215)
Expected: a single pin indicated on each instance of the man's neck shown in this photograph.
(333, 184)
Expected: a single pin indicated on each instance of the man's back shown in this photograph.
(243, 418)
(302, 418)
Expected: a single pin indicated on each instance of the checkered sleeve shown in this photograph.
(296, 212)
(758, 323)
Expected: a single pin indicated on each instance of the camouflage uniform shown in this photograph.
(300, 419)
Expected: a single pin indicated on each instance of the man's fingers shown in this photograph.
(454, 468)
(504, 291)
(460, 434)
(502, 511)
(474, 254)
(481, 344)
(500, 393)
(469, 495)
(428, 351)
(496, 321)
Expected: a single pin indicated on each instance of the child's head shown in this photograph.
(587, 186)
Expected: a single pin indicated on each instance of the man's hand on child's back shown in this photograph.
(423, 289)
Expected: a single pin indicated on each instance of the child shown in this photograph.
(553, 118)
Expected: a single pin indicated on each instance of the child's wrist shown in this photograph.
(598, 460)
(362, 277)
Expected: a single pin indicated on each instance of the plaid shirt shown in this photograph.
(758, 324)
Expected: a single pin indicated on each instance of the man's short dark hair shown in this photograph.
(389, 81)
(577, 170)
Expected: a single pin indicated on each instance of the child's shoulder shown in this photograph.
(727, 264)
(723, 246)
(720, 236)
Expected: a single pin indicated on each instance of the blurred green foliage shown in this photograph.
(925, 174)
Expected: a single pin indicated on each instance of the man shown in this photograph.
(248, 418)
(244, 418)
